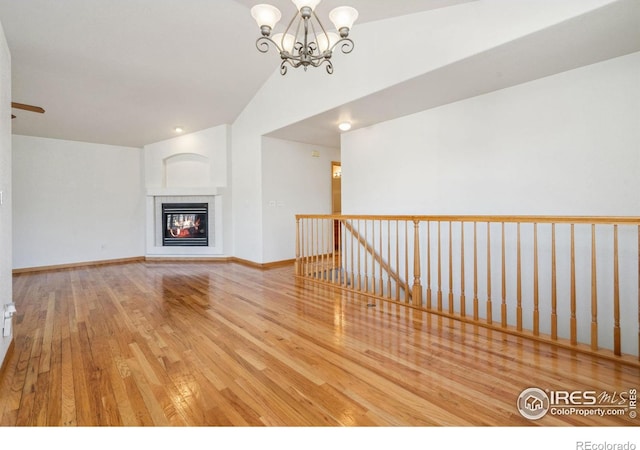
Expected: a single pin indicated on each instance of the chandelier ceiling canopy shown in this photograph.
(305, 42)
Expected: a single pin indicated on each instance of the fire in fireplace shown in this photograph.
(185, 224)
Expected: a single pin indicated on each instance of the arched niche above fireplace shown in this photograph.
(189, 170)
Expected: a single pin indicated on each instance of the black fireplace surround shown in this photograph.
(185, 224)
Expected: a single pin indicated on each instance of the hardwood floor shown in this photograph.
(206, 344)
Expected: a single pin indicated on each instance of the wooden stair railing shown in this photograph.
(325, 257)
(402, 284)
(570, 281)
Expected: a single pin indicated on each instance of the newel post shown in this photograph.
(417, 287)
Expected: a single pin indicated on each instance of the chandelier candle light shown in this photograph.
(305, 42)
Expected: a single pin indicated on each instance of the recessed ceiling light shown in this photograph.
(178, 129)
(345, 126)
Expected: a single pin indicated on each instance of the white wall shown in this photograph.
(454, 34)
(293, 182)
(6, 292)
(75, 202)
(210, 144)
(566, 144)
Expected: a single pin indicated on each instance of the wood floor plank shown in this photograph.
(205, 344)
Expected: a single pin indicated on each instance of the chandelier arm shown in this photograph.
(326, 35)
(329, 67)
(346, 45)
(262, 44)
(320, 62)
(291, 23)
(297, 45)
(294, 61)
(312, 44)
(293, 58)
(298, 26)
(283, 67)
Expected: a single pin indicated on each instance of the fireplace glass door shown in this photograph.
(185, 224)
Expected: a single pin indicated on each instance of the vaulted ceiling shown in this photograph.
(127, 72)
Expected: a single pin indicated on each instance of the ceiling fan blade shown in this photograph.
(31, 108)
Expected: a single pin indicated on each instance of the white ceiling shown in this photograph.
(126, 72)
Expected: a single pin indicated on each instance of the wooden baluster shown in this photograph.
(332, 249)
(305, 246)
(450, 268)
(594, 291)
(352, 280)
(397, 260)
(417, 287)
(428, 265)
(309, 239)
(314, 256)
(536, 297)
(311, 254)
(342, 252)
(489, 306)
(573, 320)
(297, 267)
(372, 272)
(374, 260)
(359, 258)
(323, 251)
(314, 262)
(616, 295)
(319, 252)
(503, 309)
(475, 271)
(303, 268)
(381, 277)
(554, 293)
(310, 258)
(366, 256)
(389, 258)
(345, 252)
(519, 284)
(406, 261)
(439, 271)
(463, 306)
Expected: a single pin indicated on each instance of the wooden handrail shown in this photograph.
(597, 220)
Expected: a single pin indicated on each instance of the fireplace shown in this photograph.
(185, 224)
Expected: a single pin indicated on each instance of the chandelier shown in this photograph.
(305, 42)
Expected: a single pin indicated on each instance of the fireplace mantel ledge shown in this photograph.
(182, 192)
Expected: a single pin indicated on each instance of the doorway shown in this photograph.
(336, 188)
(336, 199)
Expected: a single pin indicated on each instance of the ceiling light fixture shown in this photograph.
(178, 129)
(345, 126)
(307, 43)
